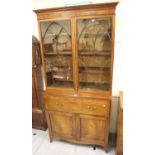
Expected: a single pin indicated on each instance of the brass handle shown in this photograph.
(91, 108)
(59, 104)
(94, 108)
(88, 107)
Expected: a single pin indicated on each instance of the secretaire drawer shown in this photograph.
(78, 105)
(61, 104)
(95, 107)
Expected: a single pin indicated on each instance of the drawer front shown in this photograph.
(78, 105)
(61, 104)
(95, 107)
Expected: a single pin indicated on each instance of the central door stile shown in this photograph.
(74, 55)
(77, 127)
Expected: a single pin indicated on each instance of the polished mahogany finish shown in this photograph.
(38, 116)
(77, 48)
(119, 145)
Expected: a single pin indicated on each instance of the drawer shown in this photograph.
(78, 105)
(95, 107)
(61, 104)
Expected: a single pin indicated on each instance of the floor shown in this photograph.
(42, 146)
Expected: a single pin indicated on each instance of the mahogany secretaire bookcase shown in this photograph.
(77, 46)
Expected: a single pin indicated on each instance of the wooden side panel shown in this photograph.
(62, 123)
(120, 124)
(119, 145)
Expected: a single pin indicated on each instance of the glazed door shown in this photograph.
(94, 43)
(57, 52)
(62, 124)
(92, 128)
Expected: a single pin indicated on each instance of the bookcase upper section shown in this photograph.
(77, 45)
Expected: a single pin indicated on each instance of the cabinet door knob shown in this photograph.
(104, 105)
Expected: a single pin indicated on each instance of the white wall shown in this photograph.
(38, 4)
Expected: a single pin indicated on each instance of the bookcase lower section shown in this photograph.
(90, 126)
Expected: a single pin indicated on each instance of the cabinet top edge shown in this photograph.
(111, 5)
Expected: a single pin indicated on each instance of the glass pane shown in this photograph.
(56, 37)
(94, 49)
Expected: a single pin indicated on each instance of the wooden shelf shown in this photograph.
(90, 82)
(94, 69)
(102, 86)
(64, 80)
(86, 82)
(81, 53)
(89, 70)
(62, 71)
(62, 34)
(94, 53)
(66, 84)
(99, 34)
(53, 53)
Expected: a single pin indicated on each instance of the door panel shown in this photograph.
(92, 128)
(62, 123)
(57, 49)
(94, 52)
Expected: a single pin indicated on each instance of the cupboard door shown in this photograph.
(94, 53)
(61, 124)
(92, 128)
(57, 50)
